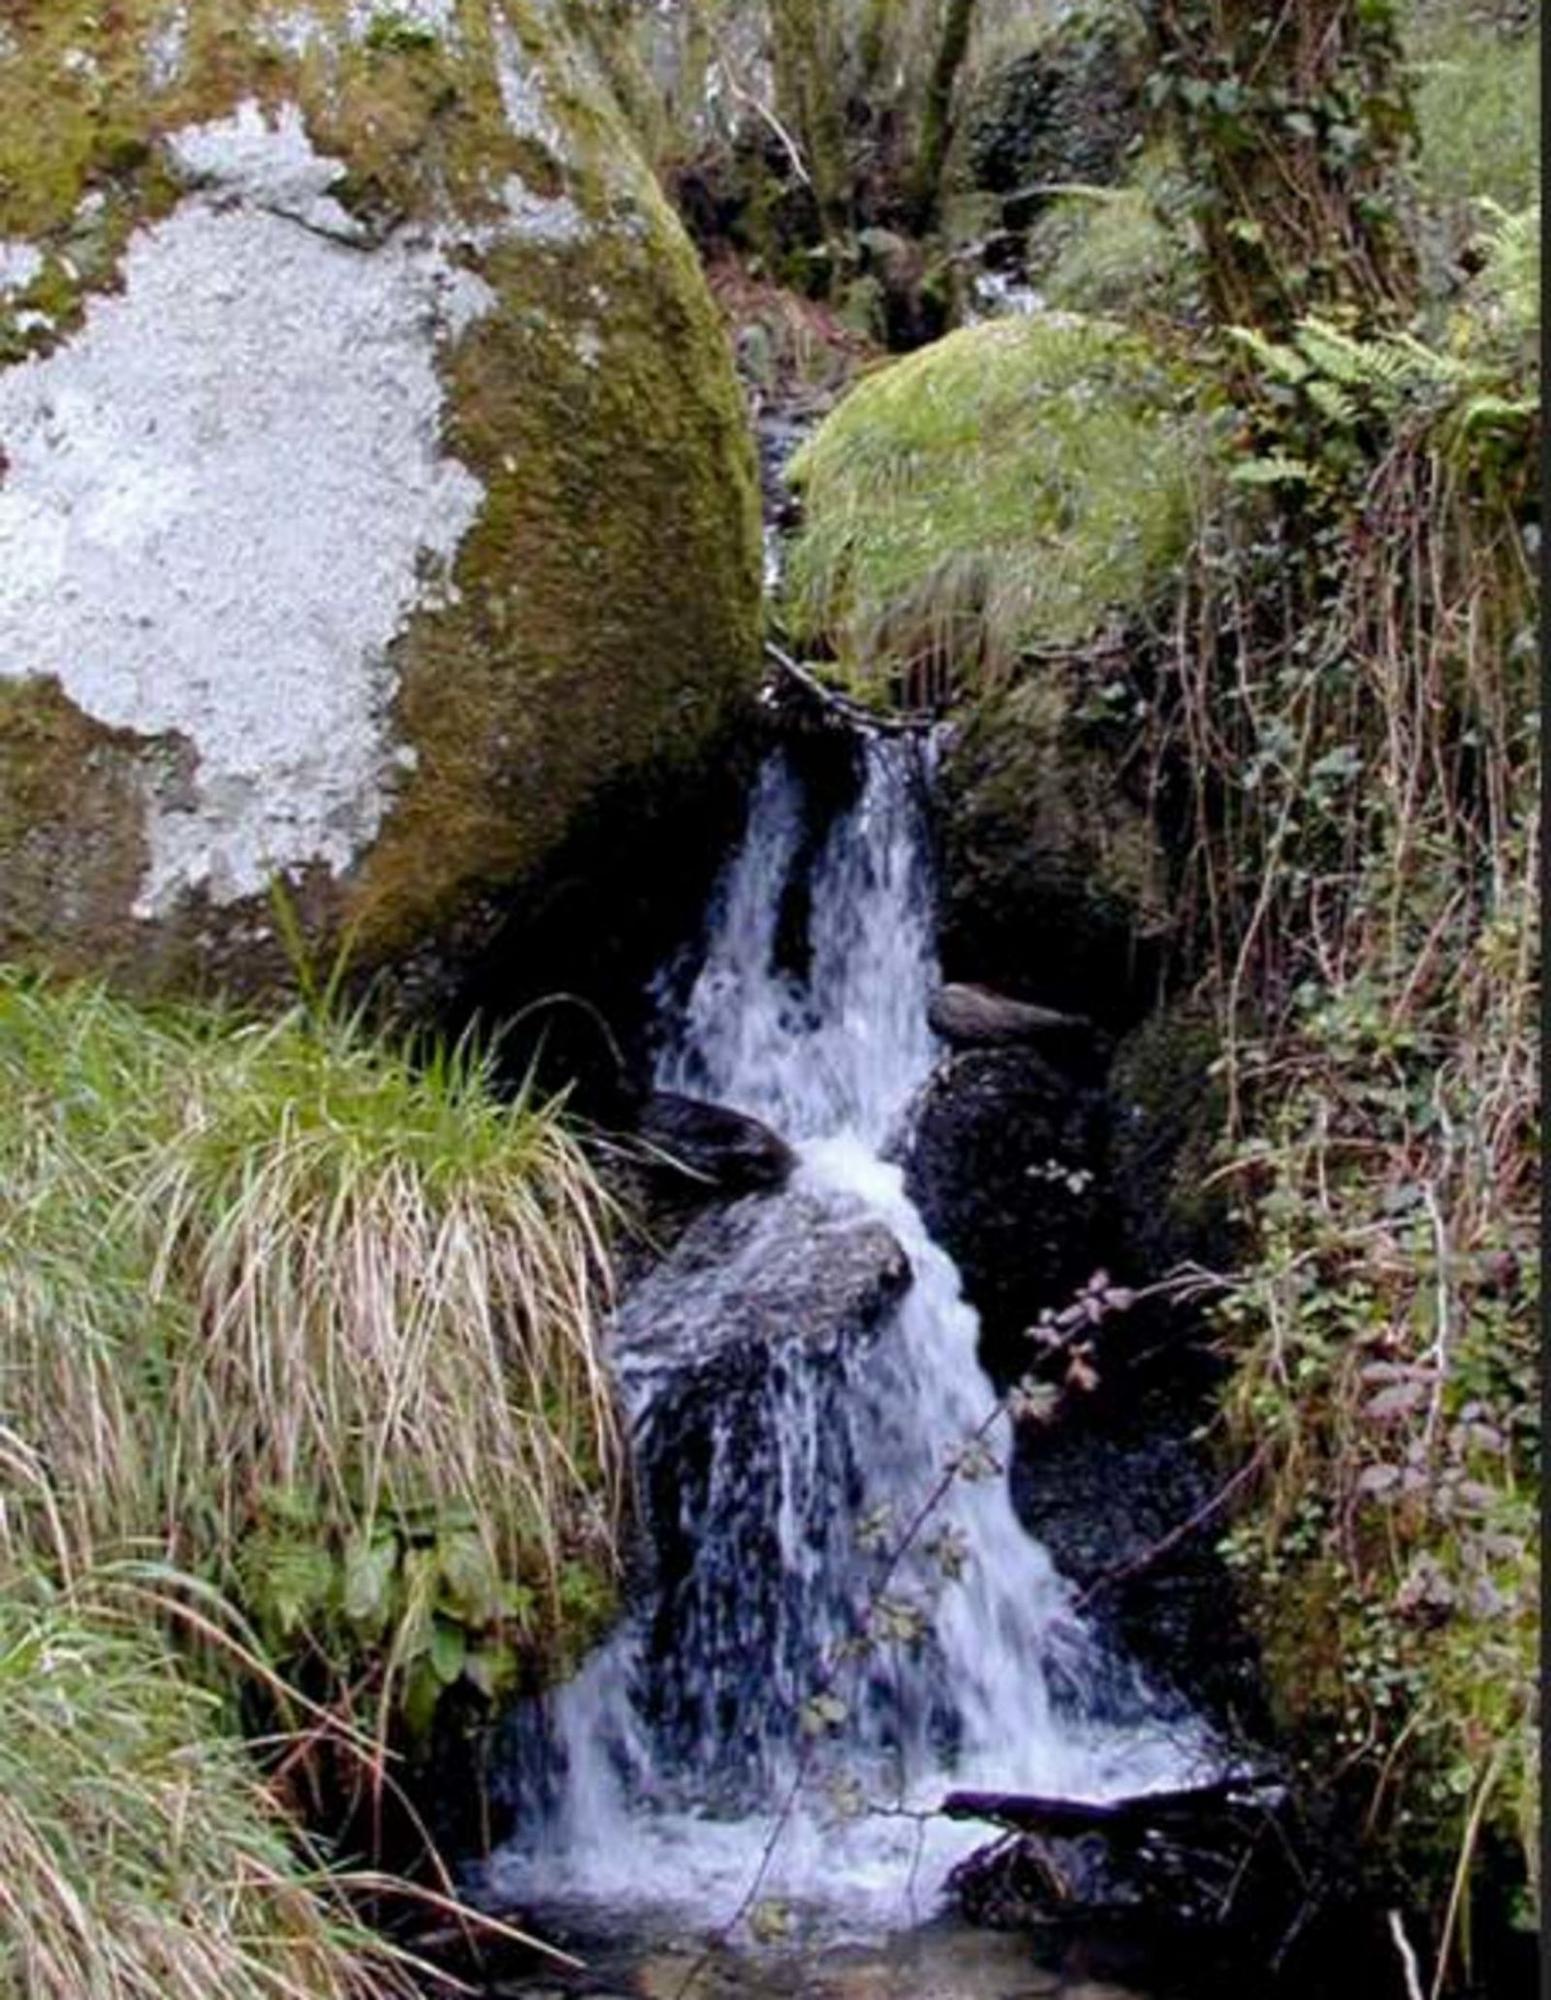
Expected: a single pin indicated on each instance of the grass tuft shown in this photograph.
(309, 1320)
(140, 1857)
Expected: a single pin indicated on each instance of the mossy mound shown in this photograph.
(374, 489)
(1018, 486)
(985, 522)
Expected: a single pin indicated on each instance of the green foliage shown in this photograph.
(1358, 686)
(1291, 127)
(391, 33)
(1129, 250)
(1017, 485)
(1477, 99)
(140, 1856)
(309, 1319)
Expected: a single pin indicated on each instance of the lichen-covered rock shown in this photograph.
(373, 485)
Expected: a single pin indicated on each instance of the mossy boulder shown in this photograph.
(374, 488)
(1016, 487)
(987, 523)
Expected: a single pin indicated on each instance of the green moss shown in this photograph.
(1129, 250)
(1167, 1137)
(72, 826)
(1044, 845)
(607, 603)
(1023, 484)
(607, 599)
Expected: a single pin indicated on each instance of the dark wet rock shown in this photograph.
(744, 1281)
(755, 1329)
(976, 1017)
(1053, 877)
(1168, 1114)
(723, 1150)
(1001, 1162)
(1109, 1484)
(1066, 111)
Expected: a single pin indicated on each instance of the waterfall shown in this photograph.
(669, 1764)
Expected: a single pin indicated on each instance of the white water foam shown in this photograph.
(1007, 1691)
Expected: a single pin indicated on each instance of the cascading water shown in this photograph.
(675, 1770)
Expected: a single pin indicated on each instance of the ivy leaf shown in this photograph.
(370, 1568)
(449, 1649)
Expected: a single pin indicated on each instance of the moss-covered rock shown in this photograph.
(985, 523)
(1054, 884)
(1169, 1115)
(1017, 487)
(374, 489)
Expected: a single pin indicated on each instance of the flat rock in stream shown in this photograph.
(976, 1017)
(747, 1279)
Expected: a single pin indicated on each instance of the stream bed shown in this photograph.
(840, 1619)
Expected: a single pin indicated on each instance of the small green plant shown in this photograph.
(391, 32)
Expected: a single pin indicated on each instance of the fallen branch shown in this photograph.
(854, 714)
(1029, 1812)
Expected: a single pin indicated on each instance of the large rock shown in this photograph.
(1065, 111)
(742, 1358)
(743, 1282)
(1001, 1162)
(374, 490)
(1054, 879)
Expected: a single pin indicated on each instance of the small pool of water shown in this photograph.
(945, 1960)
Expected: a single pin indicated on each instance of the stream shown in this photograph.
(733, 1765)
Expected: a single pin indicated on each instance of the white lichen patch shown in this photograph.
(528, 115)
(166, 47)
(20, 263)
(225, 497)
(271, 165)
(540, 218)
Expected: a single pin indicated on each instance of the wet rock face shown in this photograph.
(744, 1281)
(1054, 881)
(1066, 111)
(1001, 1162)
(373, 484)
(709, 1145)
(1103, 1489)
(705, 1352)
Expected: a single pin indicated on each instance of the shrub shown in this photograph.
(309, 1320)
(1355, 683)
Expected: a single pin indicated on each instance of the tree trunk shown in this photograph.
(937, 112)
(1291, 121)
